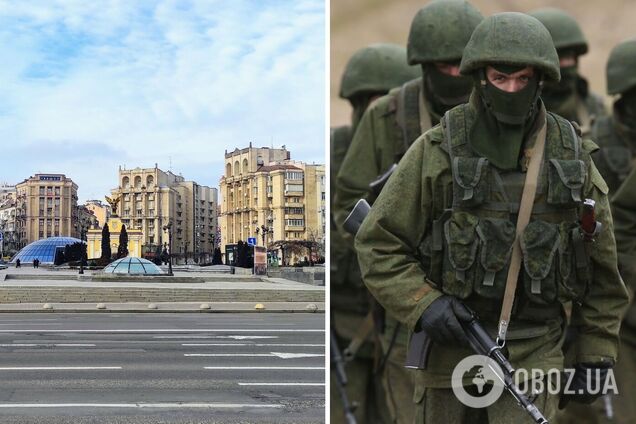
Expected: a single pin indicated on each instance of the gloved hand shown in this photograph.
(578, 387)
(441, 321)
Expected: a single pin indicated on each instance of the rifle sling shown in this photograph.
(363, 333)
(525, 210)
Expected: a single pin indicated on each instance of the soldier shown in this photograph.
(624, 209)
(616, 134)
(370, 73)
(438, 34)
(570, 97)
(442, 233)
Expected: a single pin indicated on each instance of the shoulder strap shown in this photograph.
(525, 210)
(408, 114)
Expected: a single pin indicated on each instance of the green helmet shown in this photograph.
(511, 38)
(376, 69)
(620, 67)
(440, 31)
(565, 31)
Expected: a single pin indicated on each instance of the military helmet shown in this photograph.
(511, 38)
(565, 31)
(620, 67)
(376, 68)
(440, 30)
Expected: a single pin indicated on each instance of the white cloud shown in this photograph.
(160, 80)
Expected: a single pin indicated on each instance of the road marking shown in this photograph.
(139, 405)
(255, 344)
(168, 330)
(216, 337)
(47, 344)
(281, 384)
(281, 355)
(264, 368)
(56, 368)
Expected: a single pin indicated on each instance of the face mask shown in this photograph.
(447, 90)
(510, 108)
(627, 106)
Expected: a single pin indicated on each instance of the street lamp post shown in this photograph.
(82, 225)
(168, 228)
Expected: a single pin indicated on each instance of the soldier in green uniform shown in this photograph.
(624, 210)
(570, 97)
(370, 73)
(616, 134)
(616, 137)
(441, 232)
(438, 34)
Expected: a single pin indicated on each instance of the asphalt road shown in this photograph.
(162, 368)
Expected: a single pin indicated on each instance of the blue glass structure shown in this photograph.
(44, 249)
(129, 265)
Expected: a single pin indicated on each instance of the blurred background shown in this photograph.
(357, 23)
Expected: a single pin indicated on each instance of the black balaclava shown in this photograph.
(625, 113)
(561, 97)
(503, 118)
(445, 91)
(360, 103)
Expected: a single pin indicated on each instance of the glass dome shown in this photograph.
(129, 265)
(43, 250)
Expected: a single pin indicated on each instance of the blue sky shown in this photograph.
(86, 86)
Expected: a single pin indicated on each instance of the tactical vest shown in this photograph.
(615, 158)
(471, 243)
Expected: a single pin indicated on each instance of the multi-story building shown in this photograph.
(100, 210)
(6, 190)
(8, 244)
(149, 198)
(263, 187)
(46, 206)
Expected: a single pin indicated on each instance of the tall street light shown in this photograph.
(82, 225)
(168, 228)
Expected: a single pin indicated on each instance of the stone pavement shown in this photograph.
(28, 289)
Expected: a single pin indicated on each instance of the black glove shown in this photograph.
(578, 387)
(441, 321)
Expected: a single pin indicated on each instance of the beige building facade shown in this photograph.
(100, 210)
(149, 198)
(263, 187)
(46, 206)
(94, 240)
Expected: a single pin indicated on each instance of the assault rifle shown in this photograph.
(482, 344)
(341, 380)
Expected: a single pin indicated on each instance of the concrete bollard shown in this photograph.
(152, 306)
(204, 306)
(47, 306)
(259, 307)
(311, 307)
(100, 306)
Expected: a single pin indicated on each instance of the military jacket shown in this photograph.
(444, 199)
(624, 209)
(348, 291)
(615, 159)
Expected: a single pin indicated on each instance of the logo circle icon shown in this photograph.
(487, 377)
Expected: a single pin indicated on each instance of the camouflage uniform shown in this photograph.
(438, 33)
(444, 226)
(371, 71)
(616, 136)
(570, 98)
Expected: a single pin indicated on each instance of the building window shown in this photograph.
(293, 175)
(41, 191)
(57, 191)
(295, 222)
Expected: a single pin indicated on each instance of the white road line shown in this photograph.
(216, 337)
(139, 405)
(264, 368)
(47, 344)
(168, 330)
(281, 384)
(255, 344)
(56, 368)
(282, 355)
